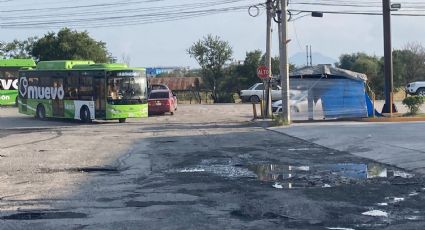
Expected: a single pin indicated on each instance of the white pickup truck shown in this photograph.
(255, 93)
(416, 88)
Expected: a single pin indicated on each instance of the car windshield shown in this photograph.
(298, 97)
(128, 85)
(254, 86)
(153, 87)
(158, 95)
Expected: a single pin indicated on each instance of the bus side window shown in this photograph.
(86, 88)
(71, 89)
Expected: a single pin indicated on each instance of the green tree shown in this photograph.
(414, 103)
(409, 64)
(70, 45)
(245, 75)
(242, 76)
(212, 53)
(17, 48)
(275, 64)
(372, 66)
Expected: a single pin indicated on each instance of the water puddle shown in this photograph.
(221, 167)
(376, 213)
(299, 176)
(44, 216)
(229, 171)
(325, 175)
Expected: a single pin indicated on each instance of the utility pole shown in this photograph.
(267, 107)
(388, 59)
(306, 51)
(283, 65)
(311, 57)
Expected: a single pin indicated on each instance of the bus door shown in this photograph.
(57, 104)
(100, 97)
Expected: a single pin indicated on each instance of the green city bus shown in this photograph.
(9, 79)
(83, 90)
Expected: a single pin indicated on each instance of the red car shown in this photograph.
(162, 101)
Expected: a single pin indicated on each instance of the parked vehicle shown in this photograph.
(162, 101)
(298, 103)
(255, 93)
(416, 88)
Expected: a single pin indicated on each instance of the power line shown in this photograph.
(92, 15)
(371, 13)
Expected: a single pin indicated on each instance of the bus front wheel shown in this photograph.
(85, 115)
(40, 112)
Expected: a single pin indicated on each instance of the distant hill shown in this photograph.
(300, 59)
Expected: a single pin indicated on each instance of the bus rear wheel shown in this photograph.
(85, 115)
(121, 120)
(40, 112)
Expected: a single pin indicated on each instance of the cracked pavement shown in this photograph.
(207, 167)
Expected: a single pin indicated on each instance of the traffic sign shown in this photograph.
(263, 72)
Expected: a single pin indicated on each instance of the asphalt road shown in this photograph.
(207, 167)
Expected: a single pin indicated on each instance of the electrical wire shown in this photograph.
(116, 13)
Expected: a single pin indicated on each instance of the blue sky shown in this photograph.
(165, 43)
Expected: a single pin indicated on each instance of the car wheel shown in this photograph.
(254, 99)
(421, 92)
(121, 120)
(85, 115)
(40, 112)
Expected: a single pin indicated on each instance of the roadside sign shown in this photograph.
(263, 72)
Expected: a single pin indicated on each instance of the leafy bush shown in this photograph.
(413, 103)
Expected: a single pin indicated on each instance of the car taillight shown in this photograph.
(168, 102)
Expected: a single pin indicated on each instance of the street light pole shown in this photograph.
(388, 59)
(283, 66)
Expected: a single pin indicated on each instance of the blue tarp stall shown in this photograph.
(330, 93)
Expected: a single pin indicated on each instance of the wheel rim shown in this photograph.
(255, 99)
(85, 115)
(421, 93)
(40, 112)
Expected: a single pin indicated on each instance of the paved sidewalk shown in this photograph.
(399, 144)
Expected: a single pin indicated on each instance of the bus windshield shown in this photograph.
(128, 85)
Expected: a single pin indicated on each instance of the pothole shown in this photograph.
(166, 141)
(301, 176)
(324, 175)
(80, 170)
(44, 216)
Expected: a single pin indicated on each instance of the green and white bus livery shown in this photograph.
(83, 90)
(9, 79)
